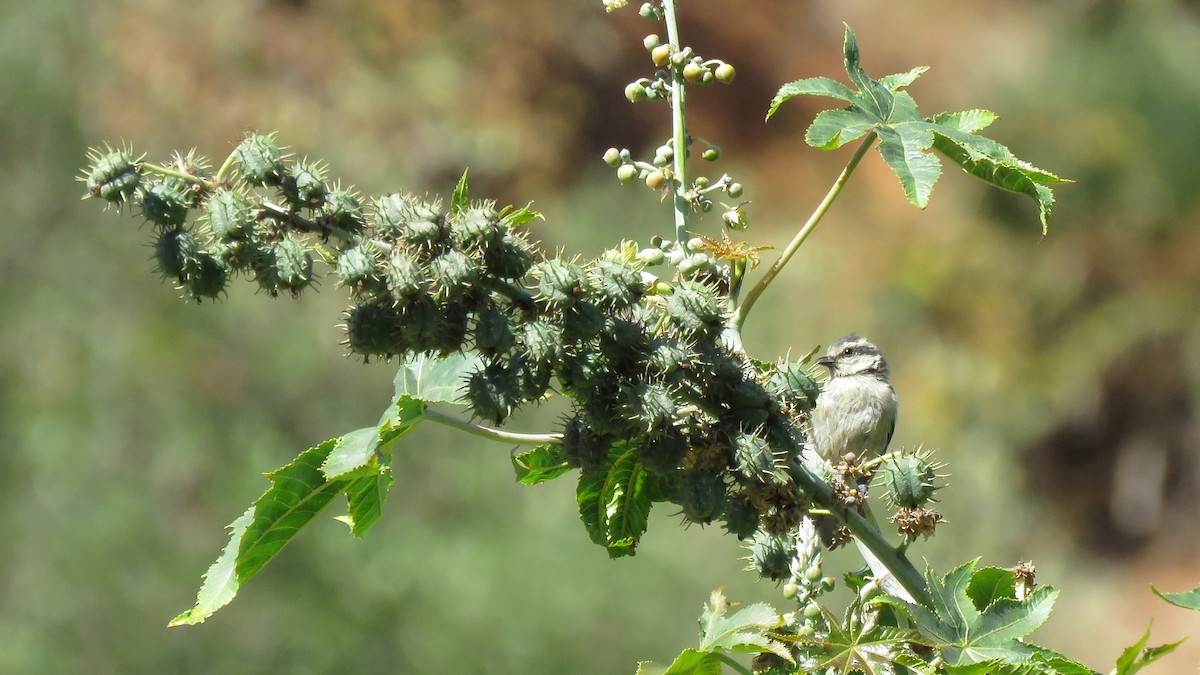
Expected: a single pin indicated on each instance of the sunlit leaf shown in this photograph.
(1186, 599)
(458, 201)
(540, 464)
(435, 379)
(613, 502)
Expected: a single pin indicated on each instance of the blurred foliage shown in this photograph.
(134, 425)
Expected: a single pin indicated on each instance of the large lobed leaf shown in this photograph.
(907, 138)
(614, 502)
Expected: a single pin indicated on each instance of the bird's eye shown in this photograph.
(847, 351)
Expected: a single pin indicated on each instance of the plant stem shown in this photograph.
(226, 167)
(164, 171)
(490, 433)
(743, 310)
(731, 663)
(678, 128)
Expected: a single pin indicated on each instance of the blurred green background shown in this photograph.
(1059, 377)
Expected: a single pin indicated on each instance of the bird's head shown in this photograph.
(853, 355)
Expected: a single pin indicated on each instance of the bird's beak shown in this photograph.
(826, 361)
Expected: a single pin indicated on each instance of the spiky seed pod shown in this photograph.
(387, 216)
(542, 341)
(625, 341)
(356, 267)
(176, 251)
(663, 450)
(304, 185)
(494, 332)
(115, 176)
(206, 278)
(493, 393)
(908, 479)
(372, 329)
(582, 321)
(166, 204)
(292, 264)
(668, 359)
(755, 459)
(343, 210)
(702, 496)
(534, 376)
(582, 446)
(510, 257)
(741, 518)
(229, 215)
(605, 407)
(405, 280)
(617, 284)
(582, 372)
(560, 282)
(750, 403)
(913, 522)
(793, 386)
(452, 329)
(452, 273)
(476, 229)
(651, 406)
(771, 555)
(695, 308)
(421, 324)
(259, 160)
(414, 222)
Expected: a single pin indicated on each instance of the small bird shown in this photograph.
(856, 411)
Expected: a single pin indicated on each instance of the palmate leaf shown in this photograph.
(907, 139)
(967, 633)
(747, 630)
(614, 502)
(1137, 656)
(689, 662)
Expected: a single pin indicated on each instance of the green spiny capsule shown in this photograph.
(229, 215)
(669, 359)
(240, 255)
(423, 226)
(542, 341)
(421, 324)
(582, 372)
(695, 308)
(115, 176)
(652, 406)
(259, 160)
(771, 555)
(493, 392)
(404, 277)
(741, 518)
(387, 215)
(176, 251)
(755, 459)
(292, 264)
(476, 228)
(908, 480)
(559, 282)
(452, 329)
(304, 185)
(793, 386)
(625, 341)
(702, 496)
(749, 401)
(343, 210)
(452, 273)
(356, 267)
(206, 278)
(581, 446)
(372, 329)
(617, 284)
(581, 322)
(534, 376)
(510, 257)
(166, 204)
(494, 332)
(662, 451)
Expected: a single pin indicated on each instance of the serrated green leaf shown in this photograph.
(364, 498)
(613, 502)
(991, 584)
(430, 378)
(299, 491)
(220, 582)
(1186, 599)
(904, 149)
(540, 464)
(459, 200)
(1136, 656)
(813, 86)
(966, 121)
(899, 81)
(351, 452)
(832, 129)
(518, 217)
(689, 662)
(747, 630)
(873, 97)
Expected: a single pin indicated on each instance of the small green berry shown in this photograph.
(712, 153)
(725, 73)
(734, 190)
(612, 157)
(627, 173)
(635, 92)
(812, 610)
(692, 72)
(647, 11)
(661, 55)
(651, 41)
(655, 180)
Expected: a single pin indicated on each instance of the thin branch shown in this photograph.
(678, 129)
(743, 310)
(490, 433)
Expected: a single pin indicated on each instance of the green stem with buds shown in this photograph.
(490, 433)
(164, 171)
(743, 310)
(678, 129)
